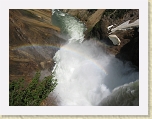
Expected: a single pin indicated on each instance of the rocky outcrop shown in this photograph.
(29, 32)
(93, 19)
(129, 46)
(130, 51)
(126, 95)
(114, 39)
(29, 29)
(88, 16)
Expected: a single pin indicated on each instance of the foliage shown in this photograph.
(33, 94)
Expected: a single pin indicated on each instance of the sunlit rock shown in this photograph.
(114, 39)
(126, 25)
(42, 64)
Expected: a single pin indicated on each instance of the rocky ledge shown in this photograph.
(97, 23)
(30, 30)
(129, 47)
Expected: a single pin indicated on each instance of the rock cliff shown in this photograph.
(31, 30)
(129, 47)
(97, 22)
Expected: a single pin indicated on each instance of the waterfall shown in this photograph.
(86, 75)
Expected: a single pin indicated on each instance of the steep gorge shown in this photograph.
(31, 31)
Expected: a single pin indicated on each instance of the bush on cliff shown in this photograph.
(33, 94)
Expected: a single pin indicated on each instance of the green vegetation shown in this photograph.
(33, 94)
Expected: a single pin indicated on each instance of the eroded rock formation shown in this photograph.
(129, 46)
(30, 30)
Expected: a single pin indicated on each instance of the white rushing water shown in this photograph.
(71, 29)
(86, 75)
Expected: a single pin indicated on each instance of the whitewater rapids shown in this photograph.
(86, 75)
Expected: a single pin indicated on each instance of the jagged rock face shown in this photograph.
(97, 22)
(130, 51)
(33, 27)
(29, 31)
(28, 27)
(129, 46)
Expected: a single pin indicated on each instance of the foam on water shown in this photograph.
(71, 29)
(85, 74)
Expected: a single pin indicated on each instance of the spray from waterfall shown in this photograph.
(86, 75)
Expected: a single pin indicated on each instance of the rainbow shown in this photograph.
(85, 56)
(64, 48)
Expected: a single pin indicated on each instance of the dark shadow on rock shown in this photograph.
(130, 51)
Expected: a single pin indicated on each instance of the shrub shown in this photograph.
(33, 94)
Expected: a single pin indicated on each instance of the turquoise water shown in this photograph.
(71, 28)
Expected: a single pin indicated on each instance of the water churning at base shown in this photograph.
(86, 75)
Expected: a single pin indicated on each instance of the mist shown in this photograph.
(86, 74)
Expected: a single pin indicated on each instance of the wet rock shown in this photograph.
(88, 16)
(130, 51)
(29, 29)
(129, 46)
(119, 96)
(47, 65)
(114, 39)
